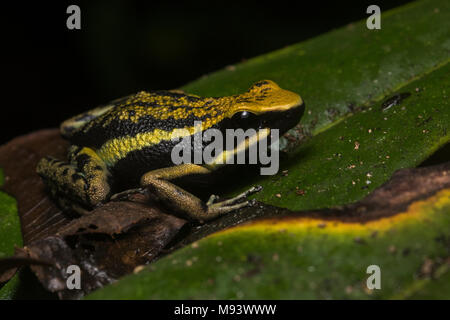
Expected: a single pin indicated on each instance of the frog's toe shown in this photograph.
(212, 199)
(253, 189)
(243, 195)
(223, 207)
(226, 206)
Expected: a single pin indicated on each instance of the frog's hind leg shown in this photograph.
(181, 200)
(84, 179)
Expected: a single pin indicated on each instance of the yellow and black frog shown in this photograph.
(128, 144)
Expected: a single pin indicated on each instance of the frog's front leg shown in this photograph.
(181, 200)
(83, 180)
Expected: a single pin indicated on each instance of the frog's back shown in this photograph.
(143, 112)
(133, 135)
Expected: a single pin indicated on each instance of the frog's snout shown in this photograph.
(282, 120)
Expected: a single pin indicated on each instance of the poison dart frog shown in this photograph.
(128, 142)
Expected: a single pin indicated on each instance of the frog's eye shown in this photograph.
(243, 120)
(244, 114)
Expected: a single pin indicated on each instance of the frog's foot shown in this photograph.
(125, 194)
(84, 179)
(212, 199)
(230, 204)
(157, 181)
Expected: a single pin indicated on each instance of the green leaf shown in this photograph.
(436, 289)
(343, 76)
(9, 289)
(10, 236)
(350, 159)
(354, 68)
(300, 259)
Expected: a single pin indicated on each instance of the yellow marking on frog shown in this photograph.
(225, 156)
(118, 148)
(178, 107)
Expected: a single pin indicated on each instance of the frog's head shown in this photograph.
(266, 105)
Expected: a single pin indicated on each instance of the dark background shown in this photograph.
(50, 73)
